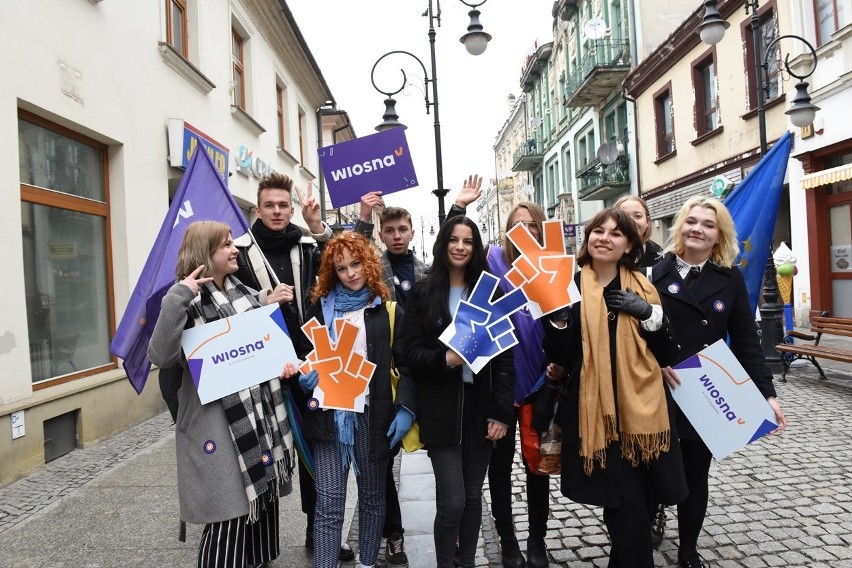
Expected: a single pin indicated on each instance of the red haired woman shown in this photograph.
(351, 287)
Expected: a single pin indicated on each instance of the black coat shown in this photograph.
(439, 387)
(664, 479)
(715, 307)
(319, 425)
(651, 255)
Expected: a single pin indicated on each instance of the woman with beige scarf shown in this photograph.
(620, 448)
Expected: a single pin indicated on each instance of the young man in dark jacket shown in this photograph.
(292, 253)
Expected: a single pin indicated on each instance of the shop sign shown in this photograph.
(250, 165)
(185, 138)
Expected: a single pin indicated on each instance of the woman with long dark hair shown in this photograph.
(638, 210)
(461, 413)
(619, 447)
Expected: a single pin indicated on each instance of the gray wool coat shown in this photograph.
(210, 485)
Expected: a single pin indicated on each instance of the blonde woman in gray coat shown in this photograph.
(233, 461)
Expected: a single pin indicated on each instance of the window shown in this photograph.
(66, 250)
(830, 18)
(176, 26)
(706, 96)
(302, 136)
(664, 121)
(772, 74)
(566, 169)
(238, 75)
(281, 104)
(586, 151)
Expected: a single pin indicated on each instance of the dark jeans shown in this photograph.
(690, 513)
(500, 484)
(393, 516)
(459, 474)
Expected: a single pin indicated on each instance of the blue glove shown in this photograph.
(400, 426)
(309, 382)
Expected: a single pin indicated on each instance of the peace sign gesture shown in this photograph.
(310, 208)
(193, 282)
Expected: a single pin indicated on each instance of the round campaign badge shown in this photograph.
(266, 458)
(209, 447)
(313, 404)
(406, 285)
(719, 306)
(674, 288)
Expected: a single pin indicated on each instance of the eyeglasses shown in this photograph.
(531, 225)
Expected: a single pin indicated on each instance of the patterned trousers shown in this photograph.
(236, 543)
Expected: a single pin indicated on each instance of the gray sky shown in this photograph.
(347, 37)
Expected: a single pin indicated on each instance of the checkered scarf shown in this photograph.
(257, 416)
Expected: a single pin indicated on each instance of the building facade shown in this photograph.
(99, 117)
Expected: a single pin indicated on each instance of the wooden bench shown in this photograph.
(824, 324)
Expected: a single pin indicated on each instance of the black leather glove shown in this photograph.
(629, 302)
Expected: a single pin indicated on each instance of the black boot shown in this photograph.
(537, 553)
(512, 557)
(658, 527)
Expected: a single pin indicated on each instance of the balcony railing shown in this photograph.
(599, 181)
(529, 156)
(601, 70)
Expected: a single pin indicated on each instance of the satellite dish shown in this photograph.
(528, 189)
(607, 153)
(536, 122)
(595, 28)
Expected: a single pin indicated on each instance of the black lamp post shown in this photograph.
(475, 41)
(801, 112)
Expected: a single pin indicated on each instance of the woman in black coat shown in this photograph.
(706, 299)
(461, 414)
(619, 446)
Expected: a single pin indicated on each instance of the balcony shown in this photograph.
(565, 9)
(534, 66)
(601, 70)
(598, 181)
(529, 156)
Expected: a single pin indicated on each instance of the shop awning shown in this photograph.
(825, 177)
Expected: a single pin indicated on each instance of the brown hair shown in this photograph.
(360, 248)
(649, 229)
(274, 180)
(394, 213)
(200, 241)
(625, 224)
(510, 253)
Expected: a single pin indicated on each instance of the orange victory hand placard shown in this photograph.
(544, 272)
(343, 375)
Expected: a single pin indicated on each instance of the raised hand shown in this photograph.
(310, 208)
(193, 282)
(470, 191)
(370, 201)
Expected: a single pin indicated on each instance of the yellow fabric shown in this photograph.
(825, 177)
(642, 424)
(411, 440)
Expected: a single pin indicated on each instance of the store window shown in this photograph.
(65, 228)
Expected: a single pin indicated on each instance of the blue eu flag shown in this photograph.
(754, 206)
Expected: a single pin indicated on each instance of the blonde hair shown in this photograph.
(201, 239)
(649, 229)
(726, 249)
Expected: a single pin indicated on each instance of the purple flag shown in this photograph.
(201, 196)
(378, 162)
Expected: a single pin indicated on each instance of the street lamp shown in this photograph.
(423, 233)
(475, 41)
(801, 113)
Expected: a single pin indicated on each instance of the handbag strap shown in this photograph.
(390, 306)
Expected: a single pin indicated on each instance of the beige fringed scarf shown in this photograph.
(643, 421)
